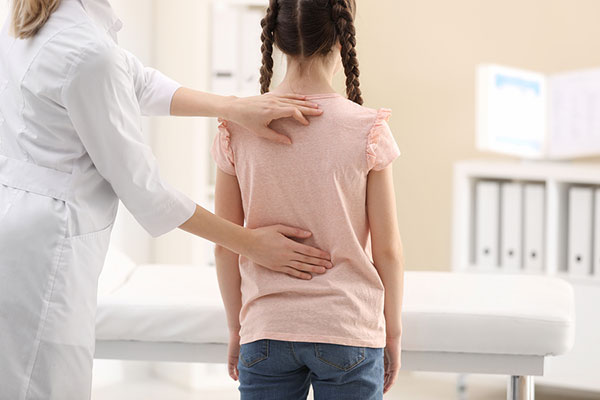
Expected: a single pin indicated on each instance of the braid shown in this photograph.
(344, 25)
(267, 37)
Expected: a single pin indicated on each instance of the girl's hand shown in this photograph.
(257, 112)
(233, 354)
(391, 362)
(271, 247)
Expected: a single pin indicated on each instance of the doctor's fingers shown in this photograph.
(294, 272)
(292, 96)
(289, 111)
(270, 134)
(317, 269)
(314, 261)
(306, 107)
(310, 254)
(296, 99)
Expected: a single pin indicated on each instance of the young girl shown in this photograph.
(336, 331)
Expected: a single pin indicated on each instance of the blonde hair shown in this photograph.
(28, 16)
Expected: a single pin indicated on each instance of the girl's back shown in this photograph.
(336, 331)
(318, 183)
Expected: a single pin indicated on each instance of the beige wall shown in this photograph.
(418, 58)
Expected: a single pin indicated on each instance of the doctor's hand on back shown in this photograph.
(254, 113)
(271, 246)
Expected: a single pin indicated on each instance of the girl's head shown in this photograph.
(310, 29)
(28, 16)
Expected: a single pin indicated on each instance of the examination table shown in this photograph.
(452, 322)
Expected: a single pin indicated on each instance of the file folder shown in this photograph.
(580, 232)
(534, 227)
(487, 223)
(596, 253)
(511, 226)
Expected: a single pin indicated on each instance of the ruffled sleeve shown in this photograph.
(382, 149)
(221, 150)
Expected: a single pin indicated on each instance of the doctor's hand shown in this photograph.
(257, 112)
(271, 248)
(253, 113)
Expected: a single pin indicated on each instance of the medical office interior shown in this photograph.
(496, 109)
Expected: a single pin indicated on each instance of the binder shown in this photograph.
(596, 253)
(511, 226)
(225, 48)
(487, 223)
(534, 227)
(580, 232)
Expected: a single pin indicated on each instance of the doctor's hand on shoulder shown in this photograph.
(257, 112)
(253, 113)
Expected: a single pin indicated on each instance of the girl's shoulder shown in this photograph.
(365, 118)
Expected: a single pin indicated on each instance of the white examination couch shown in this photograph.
(452, 322)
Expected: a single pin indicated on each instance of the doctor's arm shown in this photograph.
(100, 98)
(160, 95)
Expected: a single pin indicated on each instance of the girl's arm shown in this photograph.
(228, 205)
(386, 245)
(254, 113)
(389, 262)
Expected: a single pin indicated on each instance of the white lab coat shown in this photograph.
(70, 147)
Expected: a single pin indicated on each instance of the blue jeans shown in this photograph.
(281, 370)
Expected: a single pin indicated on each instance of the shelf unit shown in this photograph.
(580, 369)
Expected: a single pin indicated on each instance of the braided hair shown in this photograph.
(344, 24)
(307, 28)
(267, 38)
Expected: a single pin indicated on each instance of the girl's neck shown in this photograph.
(307, 77)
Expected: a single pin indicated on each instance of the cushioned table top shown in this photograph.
(443, 311)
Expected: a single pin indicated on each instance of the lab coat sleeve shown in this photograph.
(153, 89)
(100, 97)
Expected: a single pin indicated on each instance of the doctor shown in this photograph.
(70, 148)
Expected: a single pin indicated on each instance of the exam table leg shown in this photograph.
(520, 388)
(461, 387)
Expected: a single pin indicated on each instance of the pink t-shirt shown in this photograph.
(319, 183)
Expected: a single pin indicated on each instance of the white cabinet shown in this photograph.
(561, 203)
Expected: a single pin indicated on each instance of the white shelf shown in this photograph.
(564, 171)
(579, 368)
(557, 177)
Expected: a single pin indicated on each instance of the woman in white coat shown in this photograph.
(70, 147)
